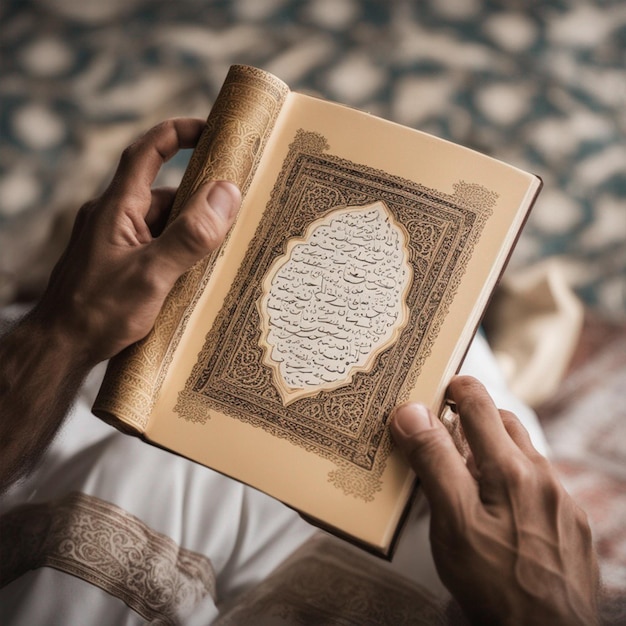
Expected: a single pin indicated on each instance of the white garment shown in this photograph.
(231, 534)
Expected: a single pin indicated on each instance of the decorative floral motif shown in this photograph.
(346, 425)
(105, 546)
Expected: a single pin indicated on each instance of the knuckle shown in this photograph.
(82, 215)
(548, 481)
(546, 470)
(151, 280)
(131, 151)
(518, 432)
(510, 419)
(517, 472)
(522, 475)
(465, 385)
(200, 235)
(469, 404)
(425, 444)
(86, 208)
(468, 393)
(128, 154)
(134, 202)
(582, 520)
(521, 472)
(165, 126)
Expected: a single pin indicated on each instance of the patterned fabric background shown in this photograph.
(541, 85)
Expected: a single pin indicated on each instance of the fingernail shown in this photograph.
(410, 419)
(224, 198)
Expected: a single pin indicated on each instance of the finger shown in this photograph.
(444, 478)
(141, 161)
(470, 462)
(160, 206)
(518, 434)
(482, 424)
(199, 229)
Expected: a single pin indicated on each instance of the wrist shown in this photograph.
(42, 366)
(58, 336)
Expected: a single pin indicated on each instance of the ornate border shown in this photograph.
(347, 425)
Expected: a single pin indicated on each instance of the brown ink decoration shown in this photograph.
(345, 424)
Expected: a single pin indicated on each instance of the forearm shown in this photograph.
(41, 369)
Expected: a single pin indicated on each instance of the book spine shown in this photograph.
(230, 148)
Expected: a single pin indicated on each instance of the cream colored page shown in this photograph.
(298, 476)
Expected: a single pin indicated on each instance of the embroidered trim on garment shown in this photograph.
(104, 545)
(328, 582)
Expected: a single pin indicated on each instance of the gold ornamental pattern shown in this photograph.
(346, 425)
(230, 148)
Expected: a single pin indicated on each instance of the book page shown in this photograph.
(363, 253)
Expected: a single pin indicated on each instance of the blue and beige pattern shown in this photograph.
(541, 85)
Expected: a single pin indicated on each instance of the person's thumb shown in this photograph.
(432, 455)
(199, 228)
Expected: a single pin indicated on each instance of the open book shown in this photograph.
(356, 274)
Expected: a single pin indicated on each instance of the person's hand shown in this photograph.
(109, 285)
(508, 542)
(106, 290)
